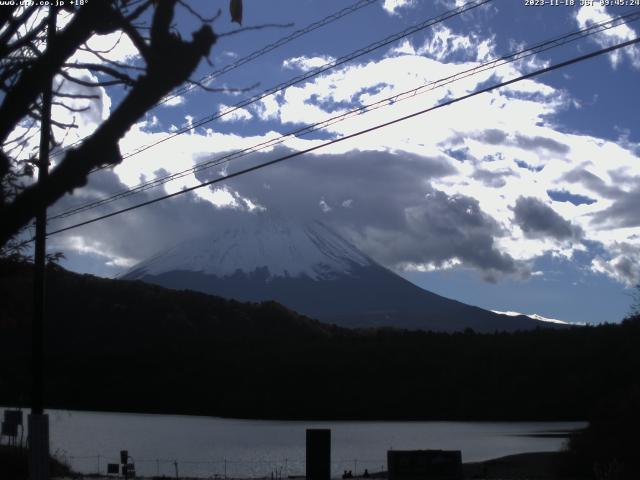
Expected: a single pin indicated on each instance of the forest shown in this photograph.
(128, 346)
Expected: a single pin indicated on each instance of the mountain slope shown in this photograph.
(312, 270)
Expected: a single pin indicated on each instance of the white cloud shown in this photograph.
(116, 46)
(324, 206)
(306, 64)
(174, 101)
(445, 44)
(91, 112)
(527, 157)
(459, 171)
(392, 6)
(597, 13)
(268, 108)
(85, 246)
(235, 114)
(621, 264)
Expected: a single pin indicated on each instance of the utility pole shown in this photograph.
(38, 421)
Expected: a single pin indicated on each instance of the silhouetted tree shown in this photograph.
(635, 304)
(607, 448)
(166, 337)
(28, 64)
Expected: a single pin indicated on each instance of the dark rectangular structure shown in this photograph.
(13, 417)
(424, 464)
(318, 454)
(9, 429)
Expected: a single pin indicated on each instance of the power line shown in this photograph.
(315, 72)
(491, 64)
(357, 134)
(268, 48)
(519, 55)
(256, 54)
(427, 23)
(328, 66)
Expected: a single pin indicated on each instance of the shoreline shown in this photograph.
(399, 419)
(538, 465)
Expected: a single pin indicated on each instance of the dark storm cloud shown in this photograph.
(623, 263)
(136, 234)
(381, 201)
(445, 227)
(384, 202)
(493, 136)
(625, 211)
(592, 182)
(538, 220)
(537, 143)
(626, 267)
(492, 179)
(375, 184)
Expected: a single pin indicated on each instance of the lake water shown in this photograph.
(209, 446)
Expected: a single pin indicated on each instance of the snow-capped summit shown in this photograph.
(314, 271)
(284, 249)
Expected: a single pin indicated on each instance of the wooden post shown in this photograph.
(318, 454)
(38, 422)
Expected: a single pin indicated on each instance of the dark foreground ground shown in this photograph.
(182, 352)
(530, 466)
(13, 465)
(541, 466)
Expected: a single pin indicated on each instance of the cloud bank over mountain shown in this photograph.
(492, 183)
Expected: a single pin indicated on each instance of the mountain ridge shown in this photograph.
(316, 272)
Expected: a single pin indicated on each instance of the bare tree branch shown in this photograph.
(20, 137)
(35, 114)
(170, 62)
(255, 27)
(96, 67)
(30, 36)
(137, 39)
(89, 83)
(95, 51)
(197, 15)
(6, 14)
(70, 108)
(78, 96)
(93, 17)
(118, 64)
(222, 89)
(139, 10)
(13, 24)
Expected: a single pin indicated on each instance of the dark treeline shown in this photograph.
(608, 447)
(128, 346)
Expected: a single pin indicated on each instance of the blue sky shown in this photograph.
(522, 199)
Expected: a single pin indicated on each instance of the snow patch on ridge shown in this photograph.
(286, 250)
(535, 316)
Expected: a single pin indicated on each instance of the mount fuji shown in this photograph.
(314, 271)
